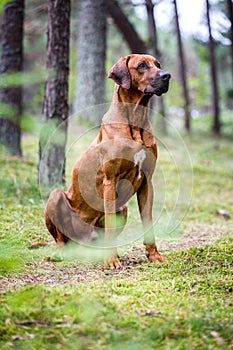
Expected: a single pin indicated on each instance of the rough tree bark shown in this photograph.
(154, 50)
(91, 48)
(183, 74)
(53, 138)
(132, 38)
(12, 62)
(152, 30)
(213, 71)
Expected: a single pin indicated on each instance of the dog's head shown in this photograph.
(140, 72)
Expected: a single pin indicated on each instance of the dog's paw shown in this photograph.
(157, 258)
(112, 263)
(153, 255)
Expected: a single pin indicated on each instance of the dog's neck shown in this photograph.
(135, 104)
(133, 96)
(128, 117)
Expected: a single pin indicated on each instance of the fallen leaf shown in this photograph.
(217, 338)
(16, 337)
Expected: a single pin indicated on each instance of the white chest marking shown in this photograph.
(139, 158)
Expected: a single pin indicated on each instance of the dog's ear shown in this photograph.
(120, 73)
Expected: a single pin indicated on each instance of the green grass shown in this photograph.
(185, 303)
(177, 305)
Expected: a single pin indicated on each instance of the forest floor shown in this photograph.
(75, 303)
(52, 271)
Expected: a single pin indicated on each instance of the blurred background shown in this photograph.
(193, 40)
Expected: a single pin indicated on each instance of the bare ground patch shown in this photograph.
(56, 273)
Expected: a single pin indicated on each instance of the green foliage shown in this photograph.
(2, 4)
(18, 181)
(199, 88)
(21, 79)
(7, 110)
(204, 123)
(196, 53)
(227, 125)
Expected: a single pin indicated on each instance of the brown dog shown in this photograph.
(119, 163)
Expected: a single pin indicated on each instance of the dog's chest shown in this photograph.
(121, 163)
(126, 167)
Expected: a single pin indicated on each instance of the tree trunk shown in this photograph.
(91, 47)
(152, 30)
(53, 138)
(12, 62)
(154, 49)
(183, 74)
(213, 69)
(230, 16)
(132, 38)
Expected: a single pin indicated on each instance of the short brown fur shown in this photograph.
(124, 133)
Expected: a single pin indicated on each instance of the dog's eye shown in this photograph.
(158, 65)
(142, 66)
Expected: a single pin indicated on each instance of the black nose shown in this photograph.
(165, 76)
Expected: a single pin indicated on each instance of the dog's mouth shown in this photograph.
(158, 91)
(162, 90)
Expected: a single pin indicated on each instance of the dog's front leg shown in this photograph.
(111, 258)
(145, 197)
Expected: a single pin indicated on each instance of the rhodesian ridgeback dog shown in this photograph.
(118, 164)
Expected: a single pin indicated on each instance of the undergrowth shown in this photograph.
(185, 303)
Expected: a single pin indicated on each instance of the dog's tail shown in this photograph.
(41, 244)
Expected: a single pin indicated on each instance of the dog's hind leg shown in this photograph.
(58, 236)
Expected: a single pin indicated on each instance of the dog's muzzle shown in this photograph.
(159, 84)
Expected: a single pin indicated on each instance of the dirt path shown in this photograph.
(55, 273)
